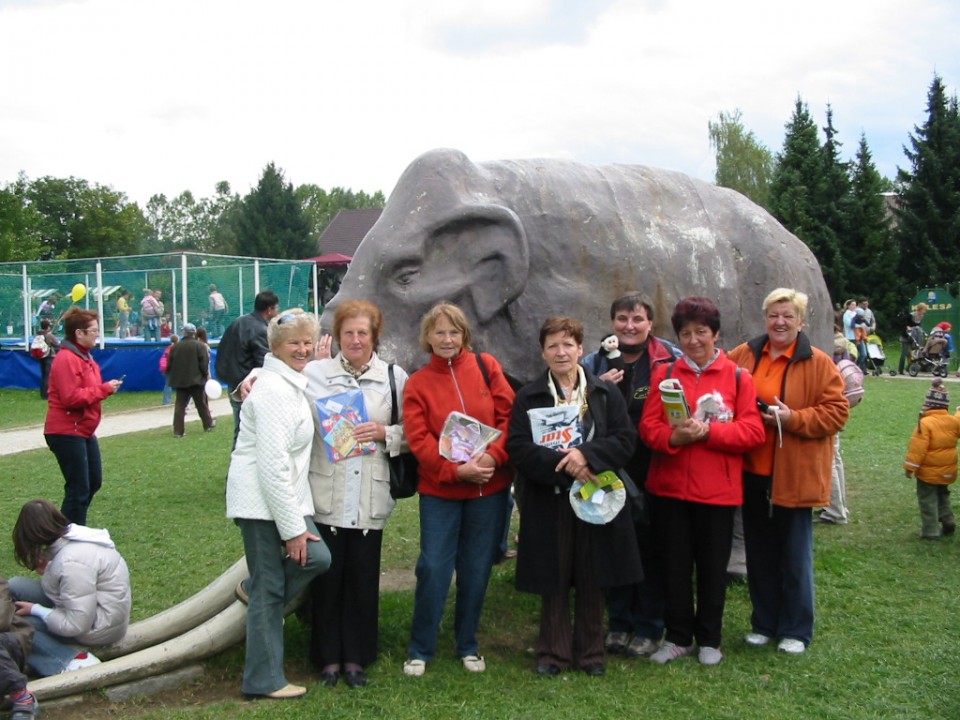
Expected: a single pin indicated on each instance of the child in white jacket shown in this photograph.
(84, 595)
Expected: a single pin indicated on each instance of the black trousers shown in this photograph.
(693, 536)
(199, 396)
(346, 599)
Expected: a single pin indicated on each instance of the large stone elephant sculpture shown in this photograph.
(515, 241)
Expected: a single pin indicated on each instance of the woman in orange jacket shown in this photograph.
(801, 396)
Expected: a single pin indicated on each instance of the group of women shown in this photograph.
(762, 419)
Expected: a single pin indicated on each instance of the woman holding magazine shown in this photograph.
(462, 503)
(559, 550)
(350, 482)
(695, 477)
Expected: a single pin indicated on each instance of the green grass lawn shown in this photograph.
(20, 408)
(886, 601)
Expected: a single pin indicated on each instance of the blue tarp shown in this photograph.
(140, 364)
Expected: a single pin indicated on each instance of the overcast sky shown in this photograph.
(153, 96)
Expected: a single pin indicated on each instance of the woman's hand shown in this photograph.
(613, 375)
(115, 385)
(297, 547)
(369, 432)
(689, 431)
(574, 464)
(23, 608)
(244, 388)
(322, 349)
(477, 470)
(781, 409)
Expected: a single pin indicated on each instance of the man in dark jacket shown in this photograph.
(243, 347)
(635, 611)
(188, 370)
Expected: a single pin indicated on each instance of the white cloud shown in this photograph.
(164, 96)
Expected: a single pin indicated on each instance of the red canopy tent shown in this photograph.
(330, 260)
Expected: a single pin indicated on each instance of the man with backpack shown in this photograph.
(635, 611)
(43, 348)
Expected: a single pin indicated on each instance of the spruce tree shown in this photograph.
(799, 186)
(872, 255)
(270, 221)
(928, 212)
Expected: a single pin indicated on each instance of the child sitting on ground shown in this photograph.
(84, 596)
(16, 636)
(932, 457)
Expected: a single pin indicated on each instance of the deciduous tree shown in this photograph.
(743, 162)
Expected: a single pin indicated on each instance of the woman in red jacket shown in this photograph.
(73, 412)
(462, 504)
(695, 478)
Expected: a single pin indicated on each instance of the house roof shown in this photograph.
(346, 230)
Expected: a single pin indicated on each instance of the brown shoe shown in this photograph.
(287, 692)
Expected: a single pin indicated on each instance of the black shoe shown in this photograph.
(329, 679)
(949, 527)
(355, 678)
(595, 669)
(547, 670)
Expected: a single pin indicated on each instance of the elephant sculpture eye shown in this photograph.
(406, 273)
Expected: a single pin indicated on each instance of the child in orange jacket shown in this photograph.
(932, 457)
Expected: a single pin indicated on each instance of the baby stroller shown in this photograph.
(875, 356)
(927, 356)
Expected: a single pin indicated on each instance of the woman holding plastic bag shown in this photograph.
(463, 501)
(700, 418)
(567, 428)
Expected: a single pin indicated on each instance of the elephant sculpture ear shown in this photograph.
(492, 257)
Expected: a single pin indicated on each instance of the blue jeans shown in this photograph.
(461, 535)
(79, 460)
(274, 581)
(51, 652)
(235, 406)
(167, 390)
(779, 564)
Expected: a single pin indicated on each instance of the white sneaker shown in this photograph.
(414, 668)
(670, 651)
(82, 660)
(791, 646)
(756, 639)
(710, 656)
(474, 663)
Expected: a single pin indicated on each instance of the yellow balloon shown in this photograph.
(78, 291)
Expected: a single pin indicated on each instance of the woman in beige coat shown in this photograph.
(352, 495)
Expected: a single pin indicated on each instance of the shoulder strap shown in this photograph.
(393, 395)
(483, 369)
(669, 369)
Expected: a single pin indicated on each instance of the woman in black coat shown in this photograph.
(558, 550)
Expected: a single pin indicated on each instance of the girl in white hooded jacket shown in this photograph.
(84, 596)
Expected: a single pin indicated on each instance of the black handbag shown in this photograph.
(404, 468)
(636, 499)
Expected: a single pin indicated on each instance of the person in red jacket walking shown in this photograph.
(73, 412)
(462, 504)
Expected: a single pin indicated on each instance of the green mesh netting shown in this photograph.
(24, 286)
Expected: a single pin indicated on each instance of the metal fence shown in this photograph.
(186, 282)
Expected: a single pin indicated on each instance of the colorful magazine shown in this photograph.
(339, 414)
(674, 402)
(464, 437)
(556, 427)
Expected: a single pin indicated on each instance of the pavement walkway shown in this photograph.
(18, 440)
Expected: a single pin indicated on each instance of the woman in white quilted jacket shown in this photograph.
(268, 495)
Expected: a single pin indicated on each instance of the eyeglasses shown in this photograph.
(289, 317)
(87, 331)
